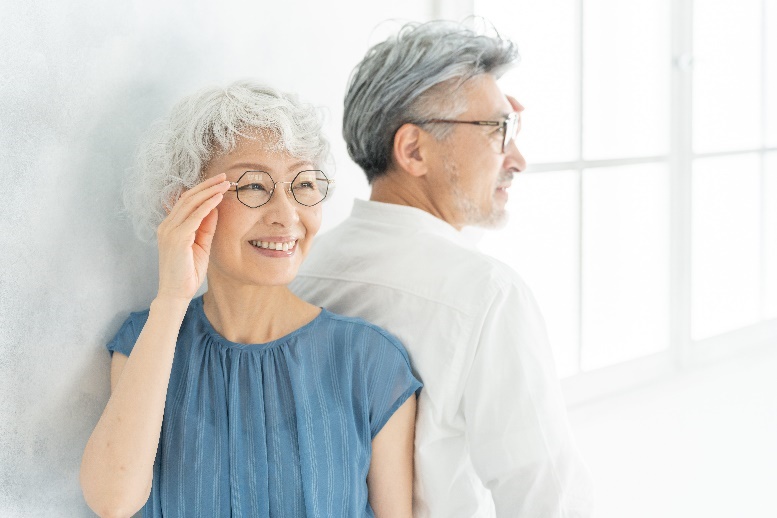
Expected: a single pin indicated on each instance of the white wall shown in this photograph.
(80, 81)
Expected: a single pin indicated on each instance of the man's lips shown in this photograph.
(505, 181)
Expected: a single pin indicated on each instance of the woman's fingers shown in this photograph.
(208, 182)
(204, 235)
(190, 199)
(192, 223)
(189, 205)
(185, 237)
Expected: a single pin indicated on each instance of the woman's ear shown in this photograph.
(410, 149)
(172, 199)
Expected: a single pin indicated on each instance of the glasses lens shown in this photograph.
(254, 188)
(511, 128)
(310, 187)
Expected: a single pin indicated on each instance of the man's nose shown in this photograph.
(514, 158)
(517, 107)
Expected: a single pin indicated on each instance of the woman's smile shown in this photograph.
(275, 247)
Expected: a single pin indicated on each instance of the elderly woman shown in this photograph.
(246, 401)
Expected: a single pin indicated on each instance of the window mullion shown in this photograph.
(762, 255)
(581, 201)
(681, 168)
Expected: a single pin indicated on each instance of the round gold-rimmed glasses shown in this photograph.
(255, 188)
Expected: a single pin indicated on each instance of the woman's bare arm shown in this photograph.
(390, 478)
(117, 466)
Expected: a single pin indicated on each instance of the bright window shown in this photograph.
(647, 222)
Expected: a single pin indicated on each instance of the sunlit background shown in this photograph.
(647, 227)
(646, 224)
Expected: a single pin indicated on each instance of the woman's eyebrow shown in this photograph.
(255, 166)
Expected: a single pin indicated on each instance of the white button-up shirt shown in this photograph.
(492, 435)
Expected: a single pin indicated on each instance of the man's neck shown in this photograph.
(398, 189)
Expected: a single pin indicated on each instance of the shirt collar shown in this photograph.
(408, 217)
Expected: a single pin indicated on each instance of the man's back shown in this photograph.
(490, 416)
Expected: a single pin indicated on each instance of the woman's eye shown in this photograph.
(305, 185)
(252, 187)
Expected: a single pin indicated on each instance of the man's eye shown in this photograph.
(498, 133)
(305, 185)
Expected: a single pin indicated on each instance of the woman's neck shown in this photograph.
(255, 314)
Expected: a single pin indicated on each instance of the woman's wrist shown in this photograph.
(172, 306)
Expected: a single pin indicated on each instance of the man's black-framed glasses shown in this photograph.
(508, 126)
(255, 188)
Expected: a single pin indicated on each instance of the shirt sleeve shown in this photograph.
(516, 422)
(128, 334)
(389, 380)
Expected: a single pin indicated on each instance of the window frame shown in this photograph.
(683, 351)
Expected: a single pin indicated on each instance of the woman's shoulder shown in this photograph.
(362, 335)
(385, 376)
(125, 338)
(138, 317)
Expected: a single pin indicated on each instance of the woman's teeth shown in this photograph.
(272, 245)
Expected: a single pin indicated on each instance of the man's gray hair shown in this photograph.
(414, 76)
(207, 124)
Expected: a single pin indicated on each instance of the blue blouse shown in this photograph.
(279, 429)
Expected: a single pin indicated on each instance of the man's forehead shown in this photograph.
(485, 97)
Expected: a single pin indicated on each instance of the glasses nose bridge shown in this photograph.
(287, 190)
(278, 207)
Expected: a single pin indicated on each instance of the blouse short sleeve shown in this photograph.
(390, 380)
(128, 333)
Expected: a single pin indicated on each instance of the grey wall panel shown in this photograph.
(80, 82)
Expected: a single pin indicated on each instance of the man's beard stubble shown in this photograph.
(494, 217)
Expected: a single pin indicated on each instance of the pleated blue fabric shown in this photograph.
(281, 429)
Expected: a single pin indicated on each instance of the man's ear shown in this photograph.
(409, 152)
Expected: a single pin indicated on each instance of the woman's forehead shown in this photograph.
(255, 155)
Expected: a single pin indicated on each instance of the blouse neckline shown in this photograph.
(218, 338)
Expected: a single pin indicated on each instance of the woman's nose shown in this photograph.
(282, 207)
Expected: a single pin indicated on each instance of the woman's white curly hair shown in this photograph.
(207, 124)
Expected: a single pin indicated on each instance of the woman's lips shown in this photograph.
(277, 248)
(284, 244)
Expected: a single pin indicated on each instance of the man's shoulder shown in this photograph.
(406, 259)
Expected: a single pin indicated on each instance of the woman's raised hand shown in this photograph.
(185, 237)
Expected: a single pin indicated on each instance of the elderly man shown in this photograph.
(435, 135)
